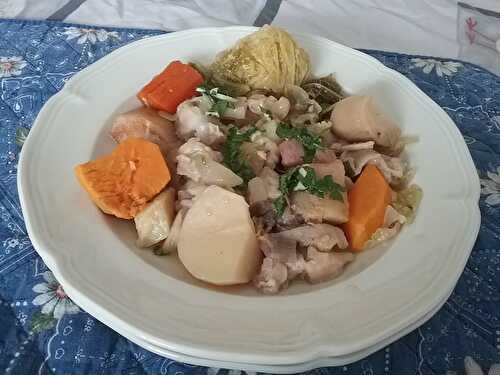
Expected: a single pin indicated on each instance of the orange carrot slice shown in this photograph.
(368, 200)
(176, 83)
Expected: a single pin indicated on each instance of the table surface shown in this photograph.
(42, 331)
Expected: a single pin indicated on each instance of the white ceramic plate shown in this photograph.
(385, 291)
(285, 369)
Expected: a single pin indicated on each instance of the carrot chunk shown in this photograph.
(368, 200)
(176, 83)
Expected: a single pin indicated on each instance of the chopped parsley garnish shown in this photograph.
(219, 108)
(220, 101)
(305, 179)
(280, 204)
(231, 153)
(309, 141)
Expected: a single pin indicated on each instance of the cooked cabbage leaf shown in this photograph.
(407, 201)
(268, 59)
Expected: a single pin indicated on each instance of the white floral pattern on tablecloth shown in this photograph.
(53, 298)
(11, 66)
(447, 68)
(491, 187)
(82, 35)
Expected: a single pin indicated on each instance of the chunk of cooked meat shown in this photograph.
(323, 237)
(280, 108)
(192, 121)
(292, 153)
(300, 100)
(281, 264)
(339, 146)
(268, 126)
(296, 269)
(288, 220)
(269, 219)
(359, 146)
(195, 146)
(272, 180)
(260, 104)
(314, 209)
(257, 190)
(261, 192)
(393, 168)
(278, 247)
(263, 187)
(334, 168)
(273, 276)
(357, 118)
(253, 156)
(267, 146)
(266, 222)
(322, 266)
(145, 123)
(239, 110)
(325, 156)
(261, 207)
(265, 212)
(283, 249)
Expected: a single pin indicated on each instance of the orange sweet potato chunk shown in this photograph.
(123, 182)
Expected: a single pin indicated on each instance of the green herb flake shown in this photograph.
(305, 179)
(231, 153)
(280, 204)
(218, 108)
(309, 141)
(217, 96)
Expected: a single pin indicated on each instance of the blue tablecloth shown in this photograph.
(42, 331)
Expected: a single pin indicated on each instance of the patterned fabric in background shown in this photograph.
(42, 331)
(478, 34)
